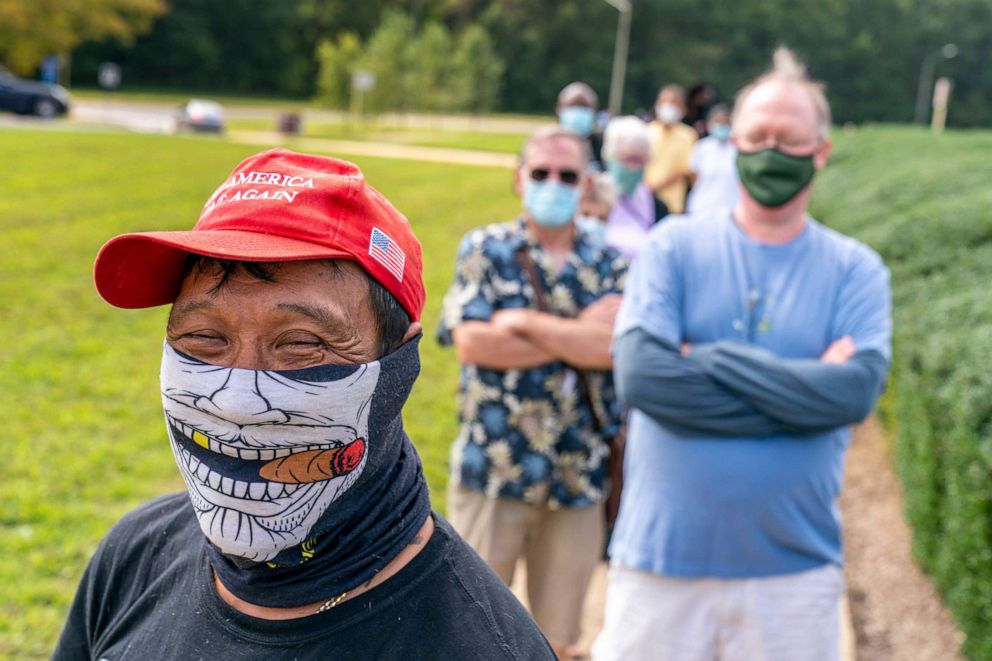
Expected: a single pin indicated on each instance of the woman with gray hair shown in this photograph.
(626, 151)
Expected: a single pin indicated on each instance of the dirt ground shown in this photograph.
(895, 608)
(893, 611)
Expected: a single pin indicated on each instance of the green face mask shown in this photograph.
(624, 177)
(772, 177)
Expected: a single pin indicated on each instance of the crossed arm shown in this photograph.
(733, 389)
(525, 338)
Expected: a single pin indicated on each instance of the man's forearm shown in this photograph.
(581, 343)
(653, 377)
(806, 394)
(486, 345)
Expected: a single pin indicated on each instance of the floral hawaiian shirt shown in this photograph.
(528, 434)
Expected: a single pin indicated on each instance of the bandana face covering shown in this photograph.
(289, 468)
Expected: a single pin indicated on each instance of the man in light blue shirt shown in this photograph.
(746, 345)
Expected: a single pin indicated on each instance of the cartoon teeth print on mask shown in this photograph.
(265, 453)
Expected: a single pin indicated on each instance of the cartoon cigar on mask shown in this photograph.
(314, 465)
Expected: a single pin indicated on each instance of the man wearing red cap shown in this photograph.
(307, 533)
(530, 314)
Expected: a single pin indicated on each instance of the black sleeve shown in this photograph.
(660, 209)
(493, 625)
(132, 554)
(76, 639)
(596, 148)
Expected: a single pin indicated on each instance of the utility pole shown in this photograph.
(619, 54)
(947, 52)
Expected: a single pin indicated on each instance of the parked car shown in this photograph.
(200, 116)
(31, 97)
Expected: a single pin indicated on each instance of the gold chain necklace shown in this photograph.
(331, 603)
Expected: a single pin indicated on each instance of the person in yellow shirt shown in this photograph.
(668, 172)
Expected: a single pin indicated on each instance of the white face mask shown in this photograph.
(265, 453)
(668, 113)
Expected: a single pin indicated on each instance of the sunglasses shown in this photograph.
(568, 177)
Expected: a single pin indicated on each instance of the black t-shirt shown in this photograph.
(148, 594)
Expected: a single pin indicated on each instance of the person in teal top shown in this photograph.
(746, 344)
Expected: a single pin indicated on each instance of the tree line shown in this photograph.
(514, 55)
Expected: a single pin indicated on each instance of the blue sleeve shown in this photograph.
(652, 300)
(471, 296)
(864, 303)
(804, 394)
(653, 377)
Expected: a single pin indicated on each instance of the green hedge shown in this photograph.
(925, 203)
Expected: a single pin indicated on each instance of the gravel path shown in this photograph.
(896, 610)
(893, 611)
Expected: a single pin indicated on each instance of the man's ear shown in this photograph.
(518, 182)
(415, 329)
(822, 154)
(585, 184)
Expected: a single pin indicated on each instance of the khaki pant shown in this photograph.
(561, 549)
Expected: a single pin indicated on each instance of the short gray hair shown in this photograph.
(578, 87)
(718, 109)
(786, 68)
(551, 132)
(625, 133)
(672, 88)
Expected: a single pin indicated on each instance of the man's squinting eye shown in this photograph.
(195, 336)
(300, 340)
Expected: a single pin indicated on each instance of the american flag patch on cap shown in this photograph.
(385, 251)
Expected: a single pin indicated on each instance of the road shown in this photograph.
(160, 117)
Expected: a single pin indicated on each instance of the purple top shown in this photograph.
(630, 220)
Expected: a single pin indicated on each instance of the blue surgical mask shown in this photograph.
(580, 119)
(720, 131)
(551, 203)
(625, 178)
(594, 229)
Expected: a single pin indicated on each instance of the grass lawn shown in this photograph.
(373, 131)
(923, 202)
(85, 439)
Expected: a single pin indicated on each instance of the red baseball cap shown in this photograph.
(277, 206)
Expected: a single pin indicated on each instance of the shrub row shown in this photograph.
(923, 202)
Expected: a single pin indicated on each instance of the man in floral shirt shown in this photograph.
(536, 393)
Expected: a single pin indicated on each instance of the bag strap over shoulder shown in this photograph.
(534, 277)
(541, 299)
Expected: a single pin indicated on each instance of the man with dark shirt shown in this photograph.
(576, 110)
(307, 533)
